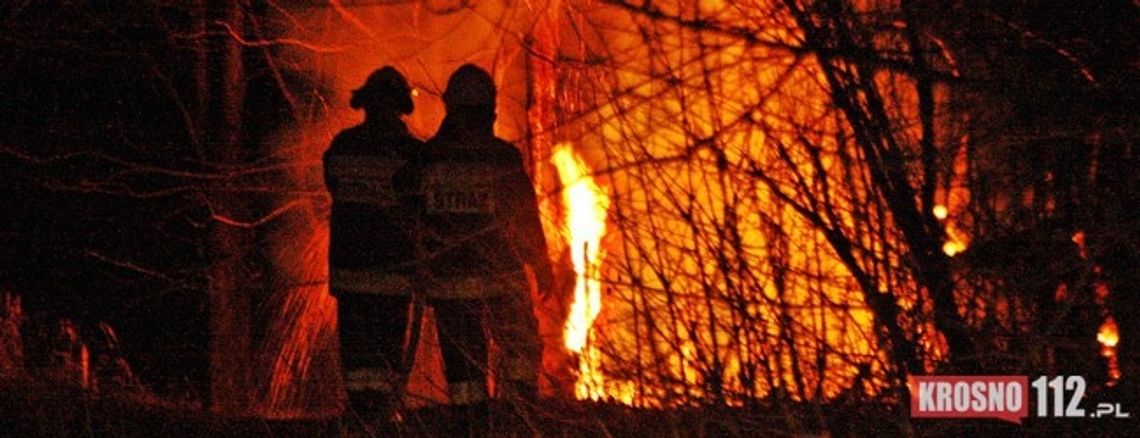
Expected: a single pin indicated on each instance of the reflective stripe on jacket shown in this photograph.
(477, 216)
(368, 233)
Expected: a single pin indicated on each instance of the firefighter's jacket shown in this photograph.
(478, 217)
(369, 248)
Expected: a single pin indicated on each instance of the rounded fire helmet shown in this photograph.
(470, 86)
(385, 89)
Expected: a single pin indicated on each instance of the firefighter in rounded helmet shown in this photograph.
(481, 234)
(369, 247)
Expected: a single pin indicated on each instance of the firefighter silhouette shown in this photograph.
(369, 246)
(479, 235)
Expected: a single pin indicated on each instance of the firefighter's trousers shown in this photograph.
(372, 338)
(469, 327)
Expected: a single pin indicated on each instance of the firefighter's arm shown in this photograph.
(327, 172)
(337, 145)
(529, 236)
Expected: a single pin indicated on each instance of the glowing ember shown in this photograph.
(956, 241)
(586, 204)
(1108, 336)
(940, 212)
(1079, 239)
(952, 248)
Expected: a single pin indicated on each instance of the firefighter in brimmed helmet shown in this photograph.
(480, 235)
(369, 246)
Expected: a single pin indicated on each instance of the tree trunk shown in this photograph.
(542, 118)
(229, 274)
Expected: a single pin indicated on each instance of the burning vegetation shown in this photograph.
(755, 204)
(586, 209)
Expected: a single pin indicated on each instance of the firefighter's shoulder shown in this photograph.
(503, 152)
(348, 138)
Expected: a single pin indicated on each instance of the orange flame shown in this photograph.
(586, 205)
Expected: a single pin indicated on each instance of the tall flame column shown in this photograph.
(586, 206)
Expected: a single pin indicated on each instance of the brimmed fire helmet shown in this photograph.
(385, 89)
(470, 86)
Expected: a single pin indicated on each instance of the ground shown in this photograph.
(31, 409)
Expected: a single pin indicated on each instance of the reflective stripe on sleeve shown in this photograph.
(520, 369)
(369, 282)
(476, 287)
(371, 379)
(466, 393)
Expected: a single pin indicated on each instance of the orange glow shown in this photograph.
(84, 366)
(1100, 292)
(586, 206)
(681, 306)
(300, 333)
(720, 291)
